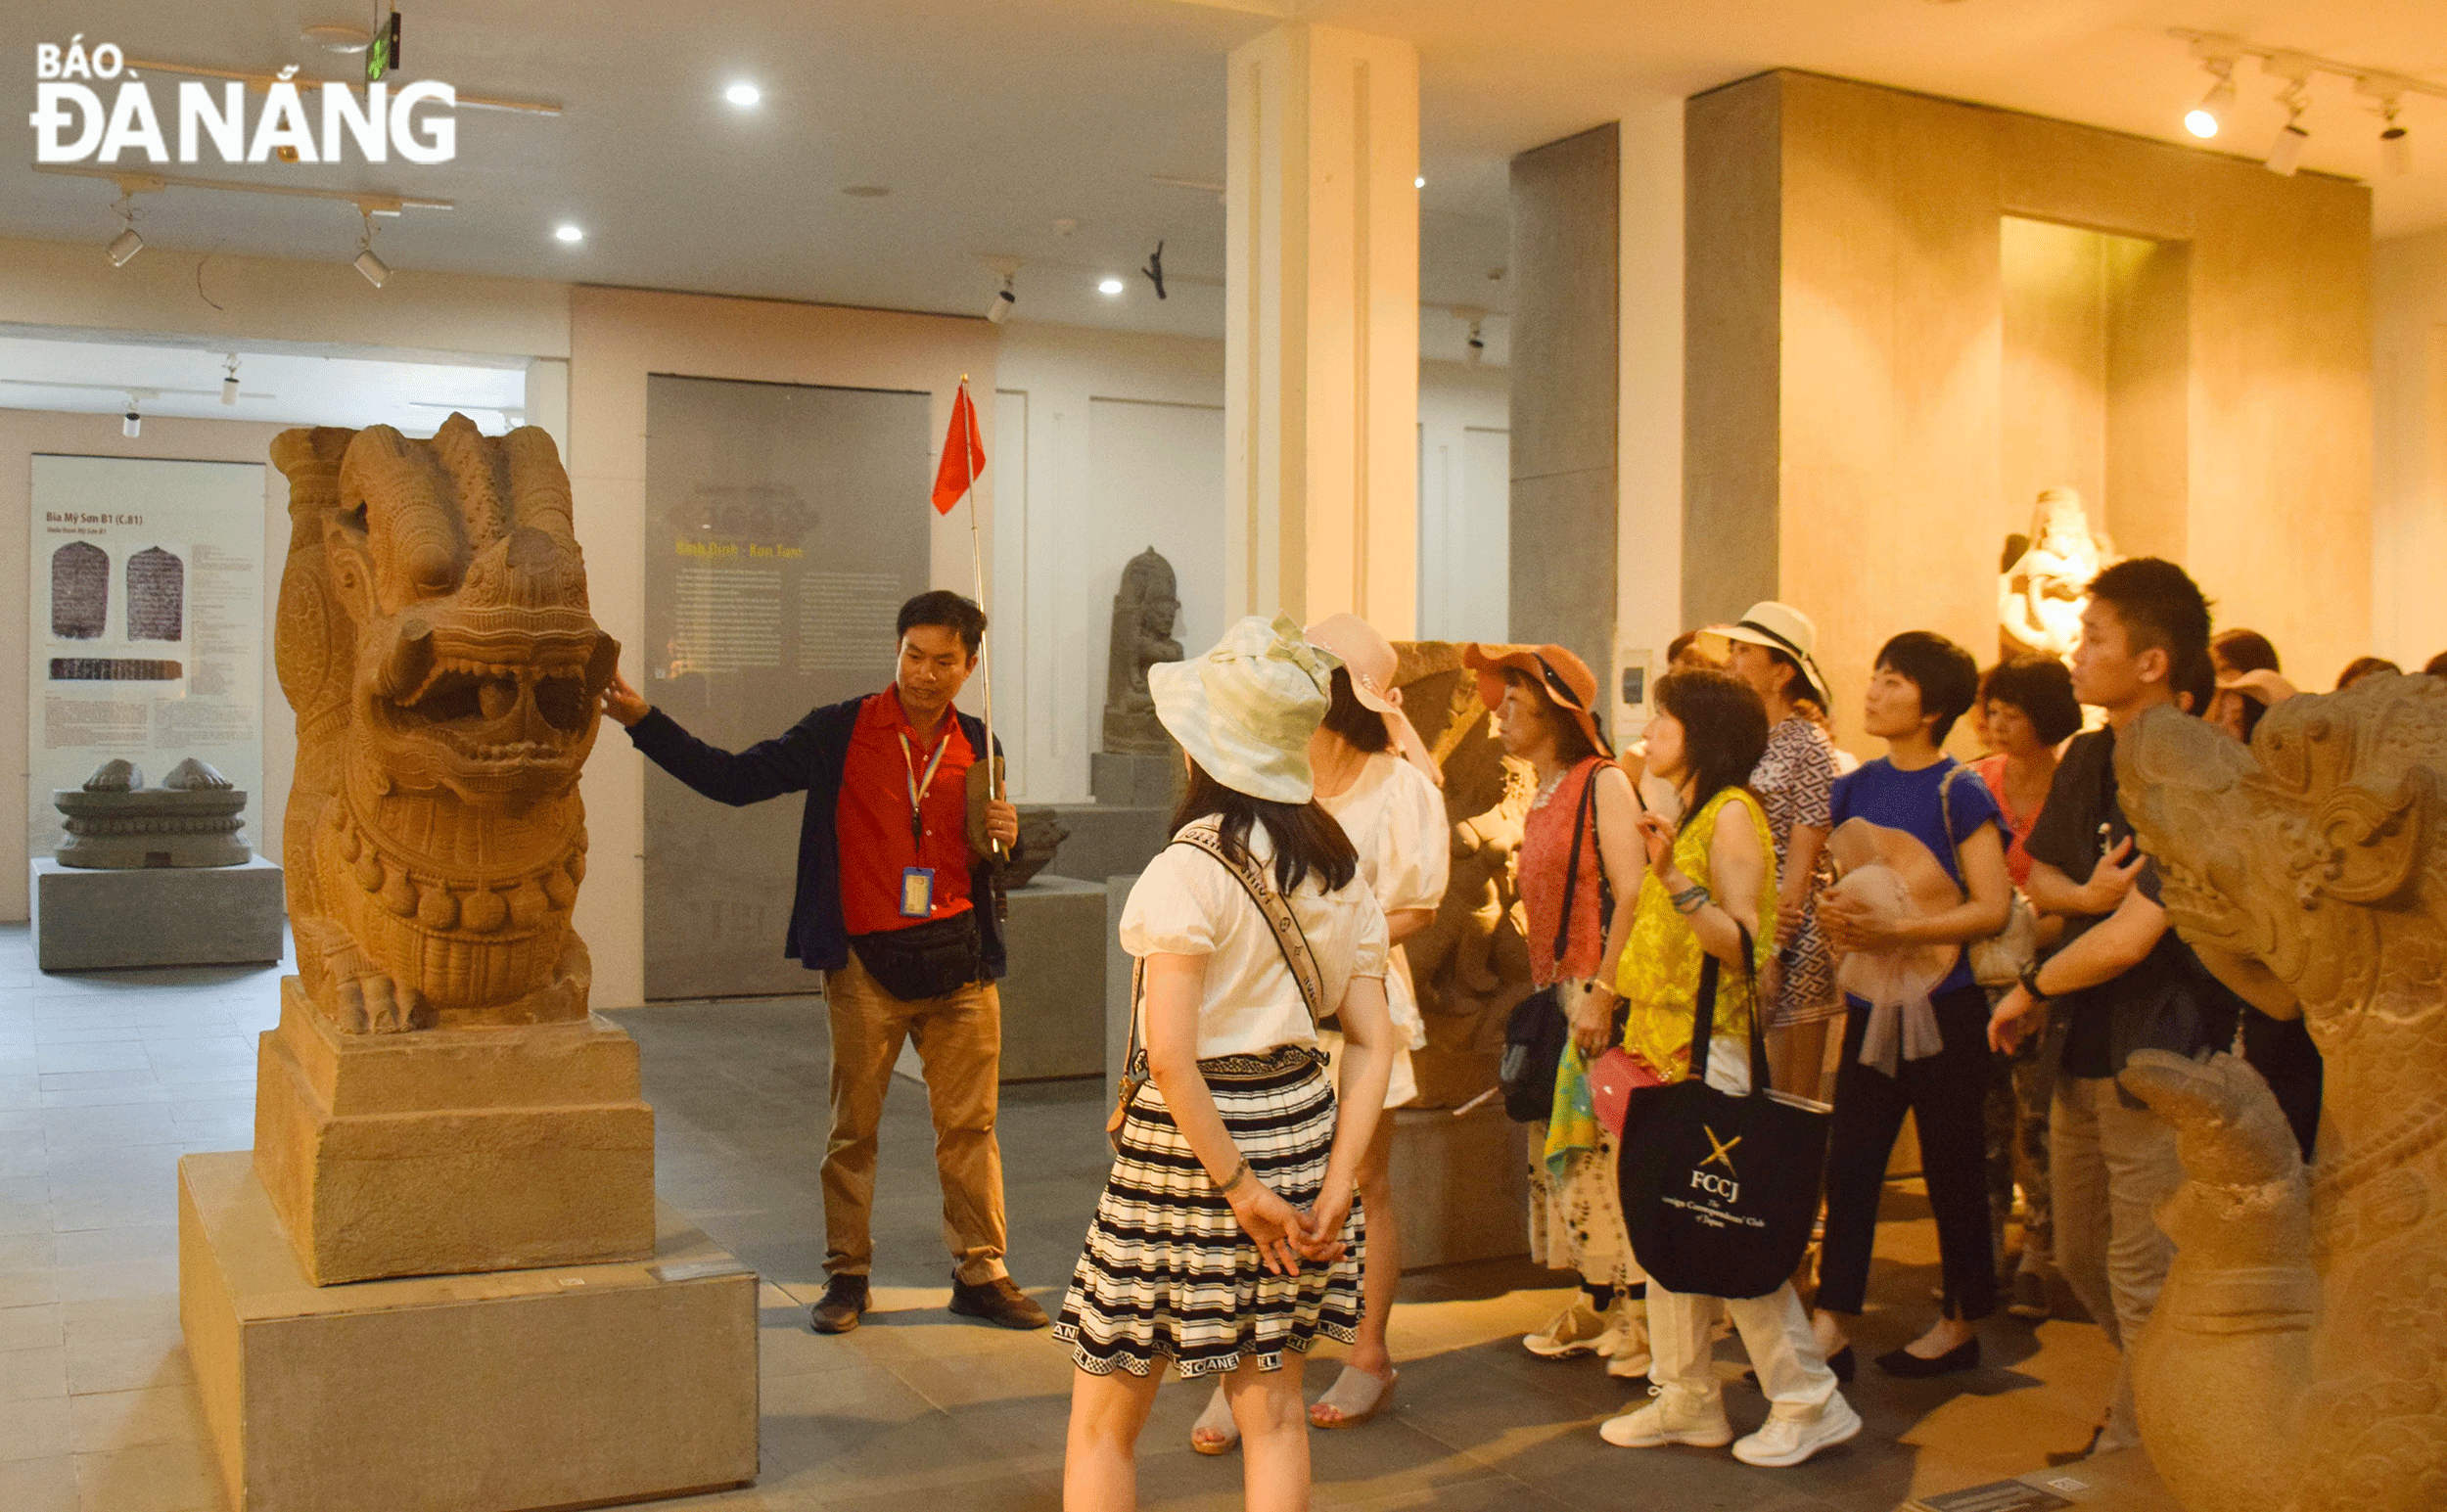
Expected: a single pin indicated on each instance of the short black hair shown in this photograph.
(2244, 651)
(2161, 609)
(2435, 667)
(1361, 727)
(2042, 688)
(945, 607)
(2363, 667)
(1948, 677)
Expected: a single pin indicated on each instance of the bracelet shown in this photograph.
(1691, 899)
(1225, 1185)
(2030, 983)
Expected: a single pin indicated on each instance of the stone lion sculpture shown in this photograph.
(434, 640)
(2297, 1359)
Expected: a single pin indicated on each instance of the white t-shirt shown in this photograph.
(1396, 820)
(1186, 903)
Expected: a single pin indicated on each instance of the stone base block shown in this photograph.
(88, 920)
(453, 1150)
(1129, 781)
(1107, 841)
(1464, 1186)
(1053, 995)
(532, 1389)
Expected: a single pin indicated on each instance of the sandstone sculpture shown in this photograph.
(1144, 615)
(2297, 1359)
(434, 640)
(2046, 581)
(115, 822)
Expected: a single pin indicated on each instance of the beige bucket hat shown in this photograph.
(1245, 709)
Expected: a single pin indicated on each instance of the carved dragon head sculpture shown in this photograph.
(436, 641)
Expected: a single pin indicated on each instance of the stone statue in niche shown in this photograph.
(1144, 619)
(434, 640)
(1470, 964)
(115, 822)
(80, 591)
(2297, 1357)
(2046, 581)
(156, 595)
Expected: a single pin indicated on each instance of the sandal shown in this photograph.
(1358, 1395)
(1216, 1422)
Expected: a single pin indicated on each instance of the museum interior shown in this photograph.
(413, 1098)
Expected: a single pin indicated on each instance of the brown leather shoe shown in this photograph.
(845, 1299)
(997, 1301)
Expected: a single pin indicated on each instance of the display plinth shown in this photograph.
(504, 1392)
(448, 1151)
(1465, 1184)
(90, 920)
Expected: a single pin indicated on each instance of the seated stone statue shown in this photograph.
(1144, 615)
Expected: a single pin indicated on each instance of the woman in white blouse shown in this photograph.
(1378, 782)
(1229, 1231)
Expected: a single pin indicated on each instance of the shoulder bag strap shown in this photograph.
(1703, 1015)
(1289, 934)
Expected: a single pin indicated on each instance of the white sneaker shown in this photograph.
(1788, 1440)
(1574, 1330)
(1625, 1343)
(1674, 1418)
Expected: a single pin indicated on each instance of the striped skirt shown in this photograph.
(1166, 1272)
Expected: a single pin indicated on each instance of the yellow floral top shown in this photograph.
(1659, 977)
(1659, 974)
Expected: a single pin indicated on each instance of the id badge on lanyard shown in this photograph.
(917, 883)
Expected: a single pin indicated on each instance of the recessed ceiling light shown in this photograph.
(570, 234)
(743, 94)
(1419, 182)
(1110, 285)
(867, 190)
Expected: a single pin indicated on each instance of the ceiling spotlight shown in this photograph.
(127, 244)
(374, 268)
(229, 381)
(999, 309)
(569, 234)
(1419, 182)
(1110, 286)
(743, 94)
(2286, 154)
(2204, 119)
(131, 424)
(2395, 144)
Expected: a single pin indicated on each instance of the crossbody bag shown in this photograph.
(1289, 938)
(1997, 960)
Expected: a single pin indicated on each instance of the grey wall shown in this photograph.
(1565, 279)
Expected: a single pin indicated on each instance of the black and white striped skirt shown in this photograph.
(1166, 1272)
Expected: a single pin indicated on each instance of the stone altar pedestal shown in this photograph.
(90, 920)
(1130, 781)
(568, 1386)
(1464, 1186)
(453, 1150)
(1055, 994)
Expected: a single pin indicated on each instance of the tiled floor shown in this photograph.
(107, 1078)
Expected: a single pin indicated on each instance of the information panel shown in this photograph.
(785, 525)
(146, 625)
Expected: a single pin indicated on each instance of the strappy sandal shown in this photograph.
(1218, 1421)
(1358, 1395)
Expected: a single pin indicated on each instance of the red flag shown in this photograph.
(964, 455)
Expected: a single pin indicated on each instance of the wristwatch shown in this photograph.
(2030, 982)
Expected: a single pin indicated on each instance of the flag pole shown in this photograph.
(977, 566)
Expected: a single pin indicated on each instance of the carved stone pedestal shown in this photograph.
(453, 1150)
(526, 1389)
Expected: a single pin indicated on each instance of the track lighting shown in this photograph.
(375, 270)
(999, 309)
(127, 244)
(2285, 153)
(2204, 118)
(229, 381)
(2395, 144)
(1476, 348)
(130, 424)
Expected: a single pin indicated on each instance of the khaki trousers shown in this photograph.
(959, 1043)
(2110, 1167)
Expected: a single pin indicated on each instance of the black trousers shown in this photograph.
(1944, 1093)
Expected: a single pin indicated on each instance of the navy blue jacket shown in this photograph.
(808, 757)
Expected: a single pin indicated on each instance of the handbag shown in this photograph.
(1289, 938)
(1537, 1029)
(933, 959)
(1718, 1190)
(1997, 960)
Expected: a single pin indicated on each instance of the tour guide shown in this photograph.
(886, 908)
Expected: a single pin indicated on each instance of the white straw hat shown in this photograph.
(1779, 627)
(1244, 710)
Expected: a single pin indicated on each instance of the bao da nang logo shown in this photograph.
(72, 123)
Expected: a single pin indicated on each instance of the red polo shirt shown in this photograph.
(872, 817)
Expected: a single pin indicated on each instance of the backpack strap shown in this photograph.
(1289, 938)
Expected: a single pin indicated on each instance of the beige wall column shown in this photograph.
(1321, 347)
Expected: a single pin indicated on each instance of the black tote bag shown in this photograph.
(1719, 1191)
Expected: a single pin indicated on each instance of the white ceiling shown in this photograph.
(992, 119)
(291, 386)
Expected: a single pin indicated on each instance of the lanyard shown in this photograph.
(919, 787)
